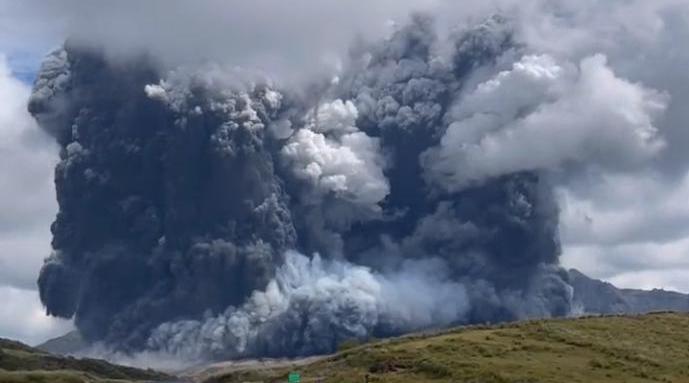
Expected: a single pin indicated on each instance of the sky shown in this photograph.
(28, 205)
(621, 222)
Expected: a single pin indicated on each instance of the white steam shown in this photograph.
(336, 158)
(541, 114)
(349, 300)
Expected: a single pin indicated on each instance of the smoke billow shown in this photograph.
(211, 214)
(312, 305)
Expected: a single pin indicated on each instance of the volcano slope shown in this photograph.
(20, 363)
(645, 348)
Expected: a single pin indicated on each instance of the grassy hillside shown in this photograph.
(646, 348)
(20, 363)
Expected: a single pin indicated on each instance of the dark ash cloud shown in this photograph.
(426, 160)
(187, 199)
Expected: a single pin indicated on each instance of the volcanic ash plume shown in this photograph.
(208, 213)
(312, 304)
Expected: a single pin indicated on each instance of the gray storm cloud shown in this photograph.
(210, 213)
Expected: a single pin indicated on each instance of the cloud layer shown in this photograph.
(28, 205)
(334, 155)
(545, 115)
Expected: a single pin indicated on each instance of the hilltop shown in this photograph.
(20, 363)
(645, 348)
(599, 297)
(70, 343)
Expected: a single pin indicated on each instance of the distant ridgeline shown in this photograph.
(598, 297)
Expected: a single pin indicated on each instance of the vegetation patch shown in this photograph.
(635, 349)
(20, 363)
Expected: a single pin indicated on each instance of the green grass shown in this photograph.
(647, 348)
(65, 376)
(20, 363)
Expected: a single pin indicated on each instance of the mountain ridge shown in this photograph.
(21, 363)
(594, 296)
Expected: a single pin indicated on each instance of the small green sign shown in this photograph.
(294, 377)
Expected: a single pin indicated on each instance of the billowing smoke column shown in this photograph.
(207, 214)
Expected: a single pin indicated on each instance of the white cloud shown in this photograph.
(625, 208)
(635, 265)
(287, 39)
(28, 195)
(667, 279)
(28, 205)
(544, 115)
(334, 156)
(23, 318)
(628, 228)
